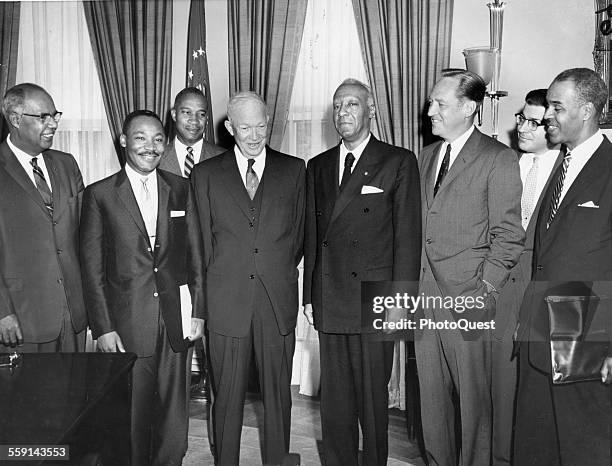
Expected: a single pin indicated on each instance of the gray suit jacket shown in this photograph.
(472, 229)
(169, 162)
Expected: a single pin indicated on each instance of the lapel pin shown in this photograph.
(365, 174)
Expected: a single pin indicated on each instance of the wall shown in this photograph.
(216, 48)
(540, 39)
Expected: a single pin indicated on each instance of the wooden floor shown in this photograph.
(305, 434)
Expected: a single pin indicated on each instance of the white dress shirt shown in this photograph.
(24, 160)
(580, 156)
(546, 162)
(357, 151)
(148, 209)
(243, 164)
(181, 152)
(456, 147)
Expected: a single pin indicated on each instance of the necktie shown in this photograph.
(346, 174)
(252, 182)
(528, 198)
(554, 201)
(148, 210)
(443, 169)
(188, 162)
(42, 186)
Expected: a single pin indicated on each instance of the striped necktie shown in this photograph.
(554, 201)
(188, 162)
(42, 186)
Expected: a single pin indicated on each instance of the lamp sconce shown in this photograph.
(486, 61)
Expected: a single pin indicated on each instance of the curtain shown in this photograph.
(405, 46)
(132, 45)
(55, 53)
(9, 37)
(264, 44)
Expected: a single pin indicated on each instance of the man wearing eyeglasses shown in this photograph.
(539, 157)
(41, 298)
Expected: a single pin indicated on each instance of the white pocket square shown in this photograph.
(590, 205)
(177, 213)
(365, 189)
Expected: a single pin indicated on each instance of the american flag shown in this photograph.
(197, 63)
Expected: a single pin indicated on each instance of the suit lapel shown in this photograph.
(272, 187)
(233, 182)
(172, 160)
(429, 172)
(15, 170)
(161, 229)
(127, 199)
(55, 185)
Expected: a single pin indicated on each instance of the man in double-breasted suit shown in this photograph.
(363, 223)
(135, 257)
(568, 423)
(249, 206)
(538, 159)
(472, 233)
(41, 297)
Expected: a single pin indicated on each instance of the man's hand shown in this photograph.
(10, 331)
(308, 313)
(110, 343)
(197, 329)
(394, 314)
(606, 371)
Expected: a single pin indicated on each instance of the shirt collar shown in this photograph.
(181, 148)
(136, 178)
(588, 147)
(18, 152)
(357, 151)
(243, 162)
(459, 142)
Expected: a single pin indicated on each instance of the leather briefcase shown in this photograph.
(578, 336)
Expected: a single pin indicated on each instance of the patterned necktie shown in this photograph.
(188, 162)
(554, 201)
(528, 198)
(252, 182)
(148, 210)
(443, 169)
(42, 186)
(346, 174)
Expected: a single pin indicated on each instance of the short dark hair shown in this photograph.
(187, 92)
(138, 113)
(589, 86)
(470, 85)
(537, 97)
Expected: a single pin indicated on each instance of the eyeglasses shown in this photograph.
(532, 124)
(45, 118)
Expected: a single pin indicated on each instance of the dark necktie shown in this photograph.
(188, 162)
(556, 196)
(443, 169)
(346, 174)
(252, 182)
(42, 186)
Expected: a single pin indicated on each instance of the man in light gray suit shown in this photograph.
(538, 160)
(471, 191)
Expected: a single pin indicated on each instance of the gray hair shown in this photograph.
(15, 97)
(362, 85)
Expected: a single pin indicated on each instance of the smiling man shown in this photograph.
(41, 298)
(136, 256)
(471, 190)
(363, 223)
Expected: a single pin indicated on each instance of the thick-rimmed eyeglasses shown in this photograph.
(45, 118)
(532, 124)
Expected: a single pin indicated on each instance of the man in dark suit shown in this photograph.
(250, 210)
(136, 257)
(538, 159)
(570, 423)
(363, 224)
(41, 297)
(471, 190)
(187, 148)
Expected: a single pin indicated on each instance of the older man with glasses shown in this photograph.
(41, 298)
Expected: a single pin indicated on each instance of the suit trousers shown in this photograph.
(355, 372)
(569, 425)
(68, 341)
(230, 359)
(450, 367)
(159, 418)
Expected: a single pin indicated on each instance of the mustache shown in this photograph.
(149, 153)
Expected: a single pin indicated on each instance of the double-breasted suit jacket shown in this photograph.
(39, 253)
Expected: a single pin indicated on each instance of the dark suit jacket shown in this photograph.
(170, 163)
(511, 297)
(127, 283)
(353, 237)
(472, 228)
(572, 254)
(238, 250)
(39, 255)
